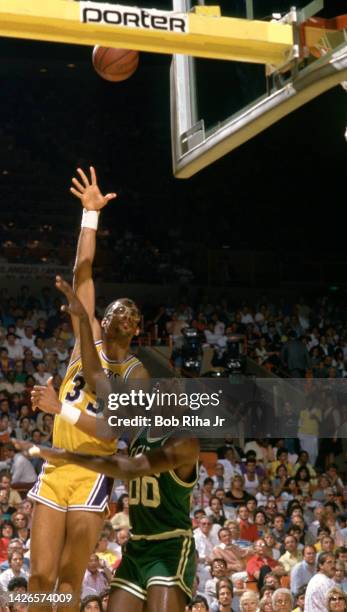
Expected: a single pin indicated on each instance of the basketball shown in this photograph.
(115, 64)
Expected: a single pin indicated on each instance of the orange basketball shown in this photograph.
(115, 64)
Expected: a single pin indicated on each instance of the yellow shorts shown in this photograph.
(65, 486)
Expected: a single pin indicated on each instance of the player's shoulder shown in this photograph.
(185, 446)
(136, 370)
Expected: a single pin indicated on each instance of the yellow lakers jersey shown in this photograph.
(75, 390)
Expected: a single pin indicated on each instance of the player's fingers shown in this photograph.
(93, 175)
(76, 193)
(38, 388)
(78, 184)
(83, 177)
(110, 196)
(63, 286)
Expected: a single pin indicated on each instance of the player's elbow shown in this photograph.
(82, 271)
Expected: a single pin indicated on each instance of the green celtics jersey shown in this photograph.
(159, 505)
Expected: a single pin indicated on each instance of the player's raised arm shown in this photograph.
(93, 201)
(179, 454)
(92, 370)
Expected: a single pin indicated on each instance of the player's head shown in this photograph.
(121, 319)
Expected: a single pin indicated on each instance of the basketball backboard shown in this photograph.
(317, 63)
(263, 67)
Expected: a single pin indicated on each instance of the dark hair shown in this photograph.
(17, 582)
(266, 588)
(220, 560)
(281, 466)
(208, 480)
(262, 512)
(324, 529)
(198, 510)
(280, 451)
(306, 478)
(198, 599)
(323, 557)
(226, 582)
(293, 504)
(6, 473)
(89, 598)
(222, 529)
(302, 452)
(7, 524)
(294, 528)
(120, 502)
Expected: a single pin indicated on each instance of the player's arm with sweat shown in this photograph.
(92, 200)
(179, 454)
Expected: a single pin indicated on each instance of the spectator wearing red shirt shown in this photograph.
(248, 531)
(261, 559)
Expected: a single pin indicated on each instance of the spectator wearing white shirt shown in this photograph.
(218, 478)
(41, 375)
(14, 347)
(219, 327)
(28, 340)
(20, 328)
(231, 467)
(20, 467)
(204, 544)
(320, 583)
(61, 350)
(302, 572)
(246, 316)
(210, 335)
(10, 384)
(15, 570)
(38, 349)
(96, 577)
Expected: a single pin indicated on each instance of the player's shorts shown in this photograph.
(66, 486)
(167, 563)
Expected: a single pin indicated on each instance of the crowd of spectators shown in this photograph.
(138, 259)
(303, 339)
(267, 540)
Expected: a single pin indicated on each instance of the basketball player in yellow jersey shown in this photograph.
(70, 500)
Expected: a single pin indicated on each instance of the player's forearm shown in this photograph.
(114, 467)
(84, 257)
(91, 365)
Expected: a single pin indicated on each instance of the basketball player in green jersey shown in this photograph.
(158, 565)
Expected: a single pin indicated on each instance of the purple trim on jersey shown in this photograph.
(97, 485)
(36, 486)
(79, 356)
(114, 360)
(47, 502)
(130, 369)
(102, 492)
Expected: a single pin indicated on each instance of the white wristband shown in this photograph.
(90, 219)
(69, 413)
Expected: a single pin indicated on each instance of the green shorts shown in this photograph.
(166, 563)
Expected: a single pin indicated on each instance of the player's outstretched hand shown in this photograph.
(74, 306)
(88, 192)
(46, 398)
(32, 450)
